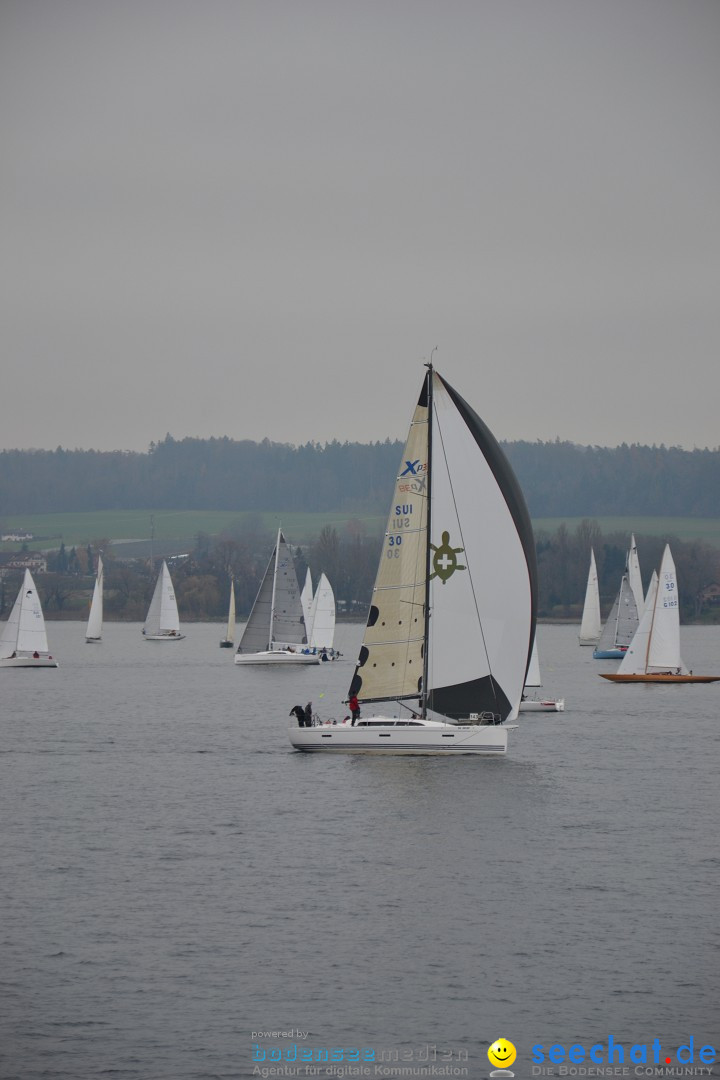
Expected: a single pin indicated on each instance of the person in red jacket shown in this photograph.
(354, 706)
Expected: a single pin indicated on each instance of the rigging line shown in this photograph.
(438, 430)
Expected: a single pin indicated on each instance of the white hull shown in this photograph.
(546, 705)
(28, 662)
(392, 739)
(588, 641)
(93, 641)
(276, 656)
(164, 637)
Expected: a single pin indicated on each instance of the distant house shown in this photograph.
(709, 596)
(34, 561)
(16, 537)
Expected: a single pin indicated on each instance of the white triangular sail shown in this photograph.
(230, 632)
(95, 619)
(634, 661)
(24, 632)
(162, 617)
(306, 599)
(591, 625)
(627, 616)
(664, 647)
(467, 587)
(288, 621)
(635, 578)
(321, 625)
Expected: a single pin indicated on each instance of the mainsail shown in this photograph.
(24, 632)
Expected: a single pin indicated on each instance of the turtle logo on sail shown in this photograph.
(445, 559)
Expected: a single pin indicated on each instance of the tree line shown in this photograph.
(349, 558)
(559, 479)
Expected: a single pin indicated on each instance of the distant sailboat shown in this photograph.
(275, 632)
(635, 578)
(163, 621)
(532, 682)
(95, 619)
(321, 619)
(229, 639)
(654, 653)
(23, 642)
(306, 597)
(621, 624)
(591, 625)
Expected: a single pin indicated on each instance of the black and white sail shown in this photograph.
(452, 617)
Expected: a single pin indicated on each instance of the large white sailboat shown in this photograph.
(654, 653)
(163, 622)
(93, 633)
(591, 625)
(23, 642)
(275, 632)
(452, 618)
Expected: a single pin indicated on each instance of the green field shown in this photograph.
(172, 526)
(168, 525)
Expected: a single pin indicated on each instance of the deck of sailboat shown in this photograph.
(28, 662)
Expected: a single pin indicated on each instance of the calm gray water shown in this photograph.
(175, 877)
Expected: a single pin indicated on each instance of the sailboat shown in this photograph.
(229, 640)
(275, 632)
(23, 642)
(635, 578)
(654, 653)
(320, 620)
(623, 620)
(591, 625)
(95, 619)
(163, 622)
(532, 681)
(452, 618)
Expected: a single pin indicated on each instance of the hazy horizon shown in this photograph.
(258, 220)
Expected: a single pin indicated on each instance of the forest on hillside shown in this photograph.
(559, 479)
(349, 557)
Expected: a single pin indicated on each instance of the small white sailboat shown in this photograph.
(534, 681)
(591, 625)
(163, 622)
(229, 640)
(275, 632)
(452, 618)
(23, 642)
(93, 632)
(321, 620)
(654, 653)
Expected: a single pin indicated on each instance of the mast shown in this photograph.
(426, 649)
(272, 600)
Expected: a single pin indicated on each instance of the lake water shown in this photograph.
(175, 877)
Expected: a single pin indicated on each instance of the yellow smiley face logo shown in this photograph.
(502, 1053)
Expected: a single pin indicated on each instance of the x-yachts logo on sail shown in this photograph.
(445, 559)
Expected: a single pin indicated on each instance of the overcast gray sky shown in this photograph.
(257, 217)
